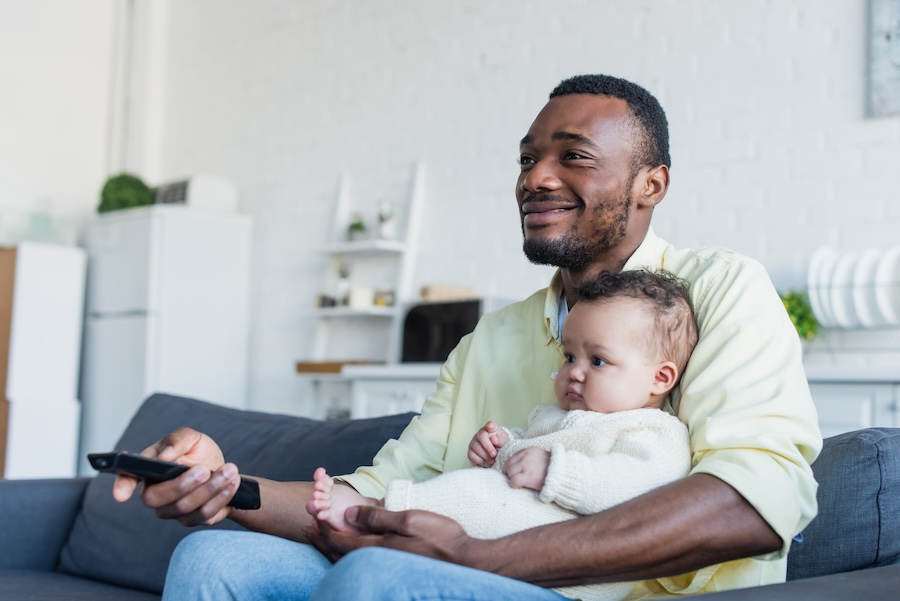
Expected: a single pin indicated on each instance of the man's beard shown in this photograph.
(576, 253)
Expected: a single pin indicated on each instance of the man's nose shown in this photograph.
(541, 177)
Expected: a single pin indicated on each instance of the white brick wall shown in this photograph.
(772, 153)
(54, 101)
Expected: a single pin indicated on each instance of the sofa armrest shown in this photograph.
(35, 519)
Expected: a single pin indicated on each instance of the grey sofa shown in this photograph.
(68, 539)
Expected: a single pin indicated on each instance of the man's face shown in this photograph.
(574, 188)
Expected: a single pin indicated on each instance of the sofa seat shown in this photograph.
(41, 585)
(68, 539)
(873, 584)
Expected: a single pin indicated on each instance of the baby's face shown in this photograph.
(607, 367)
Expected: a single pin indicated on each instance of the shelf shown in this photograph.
(351, 312)
(374, 263)
(330, 368)
(373, 246)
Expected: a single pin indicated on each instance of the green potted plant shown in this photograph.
(123, 191)
(357, 228)
(799, 310)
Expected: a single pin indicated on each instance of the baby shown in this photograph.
(607, 439)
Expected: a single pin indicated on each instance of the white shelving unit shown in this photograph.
(368, 257)
(41, 309)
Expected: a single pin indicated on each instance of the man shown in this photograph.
(594, 164)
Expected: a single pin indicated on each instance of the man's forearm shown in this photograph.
(282, 510)
(689, 524)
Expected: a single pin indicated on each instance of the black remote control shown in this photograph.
(155, 470)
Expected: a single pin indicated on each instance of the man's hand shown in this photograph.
(201, 494)
(414, 531)
(528, 468)
(485, 445)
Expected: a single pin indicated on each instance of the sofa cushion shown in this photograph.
(127, 544)
(46, 586)
(858, 525)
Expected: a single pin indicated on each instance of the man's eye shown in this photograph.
(572, 156)
(525, 160)
(597, 362)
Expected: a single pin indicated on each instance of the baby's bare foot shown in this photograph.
(330, 502)
(320, 505)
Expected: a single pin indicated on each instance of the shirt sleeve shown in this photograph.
(418, 454)
(746, 401)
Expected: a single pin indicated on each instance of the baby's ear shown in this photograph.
(665, 378)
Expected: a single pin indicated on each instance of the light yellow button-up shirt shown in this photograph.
(743, 396)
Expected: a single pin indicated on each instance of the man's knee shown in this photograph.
(371, 561)
(377, 568)
(203, 555)
(221, 564)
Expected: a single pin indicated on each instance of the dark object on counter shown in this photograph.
(432, 330)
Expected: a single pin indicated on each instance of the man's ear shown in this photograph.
(654, 183)
(665, 378)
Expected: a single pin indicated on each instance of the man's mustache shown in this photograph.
(548, 197)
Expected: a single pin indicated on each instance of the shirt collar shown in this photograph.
(552, 308)
(649, 254)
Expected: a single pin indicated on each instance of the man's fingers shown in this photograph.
(123, 487)
(174, 446)
(196, 497)
(317, 539)
(377, 520)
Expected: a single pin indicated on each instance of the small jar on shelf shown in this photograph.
(387, 222)
(342, 287)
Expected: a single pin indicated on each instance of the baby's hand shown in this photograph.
(528, 468)
(485, 443)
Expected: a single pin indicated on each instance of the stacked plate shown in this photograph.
(857, 289)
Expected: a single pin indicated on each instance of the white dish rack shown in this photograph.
(855, 289)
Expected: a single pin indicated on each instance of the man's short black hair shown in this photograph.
(652, 149)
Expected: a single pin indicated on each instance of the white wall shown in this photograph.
(55, 60)
(772, 153)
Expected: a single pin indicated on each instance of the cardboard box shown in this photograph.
(4, 429)
(7, 280)
(7, 285)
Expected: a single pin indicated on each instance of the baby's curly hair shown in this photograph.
(665, 297)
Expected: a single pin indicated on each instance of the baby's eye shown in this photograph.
(569, 358)
(598, 362)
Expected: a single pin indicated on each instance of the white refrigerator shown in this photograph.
(167, 310)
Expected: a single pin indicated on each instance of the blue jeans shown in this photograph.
(376, 574)
(217, 565)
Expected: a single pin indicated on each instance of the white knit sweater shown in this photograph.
(597, 460)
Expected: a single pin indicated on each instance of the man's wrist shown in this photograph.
(479, 554)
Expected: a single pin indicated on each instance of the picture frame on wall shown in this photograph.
(884, 58)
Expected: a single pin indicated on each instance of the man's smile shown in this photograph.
(543, 212)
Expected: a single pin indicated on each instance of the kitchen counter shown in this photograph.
(394, 371)
(852, 373)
